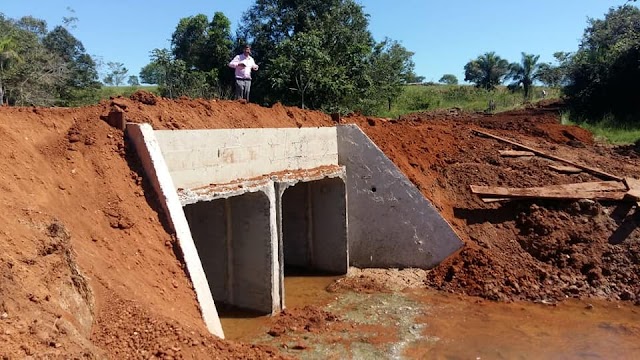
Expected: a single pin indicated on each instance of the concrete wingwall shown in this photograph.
(143, 138)
(391, 224)
(202, 157)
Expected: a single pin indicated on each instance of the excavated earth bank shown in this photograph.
(88, 269)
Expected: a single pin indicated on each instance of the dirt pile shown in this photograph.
(88, 269)
(524, 250)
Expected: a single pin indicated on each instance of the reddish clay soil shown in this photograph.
(88, 269)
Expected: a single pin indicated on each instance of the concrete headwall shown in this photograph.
(201, 157)
(391, 224)
(143, 138)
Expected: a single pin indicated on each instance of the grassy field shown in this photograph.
(607, 130)
(466, 97)
(109, 91)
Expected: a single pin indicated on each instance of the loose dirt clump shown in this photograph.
(130, 331)
(307, 319)
(379, 280)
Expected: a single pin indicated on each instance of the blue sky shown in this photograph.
(444, 35)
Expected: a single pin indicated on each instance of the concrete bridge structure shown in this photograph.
(246, 203)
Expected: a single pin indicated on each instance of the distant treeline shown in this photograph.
(319, 55)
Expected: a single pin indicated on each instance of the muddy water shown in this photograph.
(425, 324)
(300, 290)
(463, 328)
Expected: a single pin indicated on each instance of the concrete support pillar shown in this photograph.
(236, 240)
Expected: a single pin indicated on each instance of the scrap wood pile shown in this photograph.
(613, 189)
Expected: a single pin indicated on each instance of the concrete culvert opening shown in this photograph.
(233, 239)
(314, 227)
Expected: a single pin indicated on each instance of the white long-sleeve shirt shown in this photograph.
(243, 72)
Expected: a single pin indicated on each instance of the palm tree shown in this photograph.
(8, 53)
(525, 73)
(486, 71)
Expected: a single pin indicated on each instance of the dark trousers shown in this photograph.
(243, 87)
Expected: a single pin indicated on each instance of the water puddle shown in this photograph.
(300, 290)
(468, 328)
(434, 325)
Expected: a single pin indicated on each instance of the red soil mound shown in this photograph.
(88, 269)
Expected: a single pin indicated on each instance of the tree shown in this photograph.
(82, 84)
(389, 68)
(8, 53)
(305, 74)
(219, 44)
(151, 73)
(30, 74)
(117, 73)
(188, 42)
(412, 78)
(340, 26)
(555, 75)
(205, 48)
(173, 77)
(133, 81)
(524, 73)
(449, 79)
(487, 71)
(602, 73)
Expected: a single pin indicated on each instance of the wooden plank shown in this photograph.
(494, 200)
(603, 190)
(516, 153)
(553, 157)
(566, 169)
(592, 195)
(585, 186)
(634, 188)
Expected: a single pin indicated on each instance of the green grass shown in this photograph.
(607, 129)
(108, 91)
(417, 98)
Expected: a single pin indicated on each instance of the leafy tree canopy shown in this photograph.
(116, 75)
(449, 79)
(487, 71)
(200, 51)
(322, 51)
(555, 75)
(38, 67)
(524, 73)
(604, 73)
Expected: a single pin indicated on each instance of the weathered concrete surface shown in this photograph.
(201, 157)
(391, 224)
(143, 138)
(235, 231)
(312, 218)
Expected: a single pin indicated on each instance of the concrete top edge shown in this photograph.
(226, 129)
(263, 183)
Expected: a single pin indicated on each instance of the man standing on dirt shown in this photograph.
(243, 63)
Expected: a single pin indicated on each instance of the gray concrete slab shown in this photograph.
(201, 157)
(391, 224)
